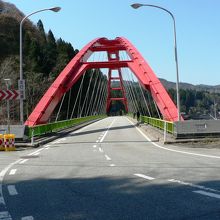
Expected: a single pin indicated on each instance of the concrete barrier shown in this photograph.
(197, 128)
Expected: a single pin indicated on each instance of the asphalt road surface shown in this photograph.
(110, 170)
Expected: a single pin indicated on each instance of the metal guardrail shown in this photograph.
(56, 126)
(158, 123)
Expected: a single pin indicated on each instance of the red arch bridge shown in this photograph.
(102, 73)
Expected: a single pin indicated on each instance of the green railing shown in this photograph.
(158, 123)
(56, 126)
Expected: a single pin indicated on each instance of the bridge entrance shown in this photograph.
(120, 55)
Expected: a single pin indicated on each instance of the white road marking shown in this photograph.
(101, 150)
(12, 190)
(103, 137)
(213, 195)
(56, 142)
(48, 145)
(176, 151)
(33, 153)
(27, 218)
(5, 215)
(36, 154)
(12, 172)
(94, 146)
(47, 148)
(82, 129)
(112, 165)
(107, 157)
(97, 141)
(193, 185)
(23, 161)
(144, 176)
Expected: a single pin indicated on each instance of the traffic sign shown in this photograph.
(9, 94)
(21, 87)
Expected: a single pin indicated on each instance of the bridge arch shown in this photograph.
(79, 64)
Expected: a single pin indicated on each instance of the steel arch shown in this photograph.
(79, 64)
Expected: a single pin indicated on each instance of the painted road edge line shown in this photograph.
(193, 185)
(213, 195)
(23, 161)
(168, 149)
(144, 176)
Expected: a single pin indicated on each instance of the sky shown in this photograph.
(149, 29)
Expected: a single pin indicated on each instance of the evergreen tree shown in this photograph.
(40, 27)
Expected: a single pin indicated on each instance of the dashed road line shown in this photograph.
(144, 176)
(105, 133)
(12, 190)
(27, 218)
(101, 150)
(5, 215)
(213, 195)
(2, 174)
(12, 172)
(107, 157)
(94, 146)
(112, 165)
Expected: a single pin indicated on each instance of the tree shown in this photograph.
(40, 28)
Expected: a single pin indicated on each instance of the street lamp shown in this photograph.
(8, 83)
(136, 6)
(21, 83)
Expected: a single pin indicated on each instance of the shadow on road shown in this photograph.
(111, 198)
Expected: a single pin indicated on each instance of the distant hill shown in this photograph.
(185, 86)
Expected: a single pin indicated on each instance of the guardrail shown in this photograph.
(56, 126)
(158, 123)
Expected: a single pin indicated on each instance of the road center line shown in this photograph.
(103, 137)
(168, 149)
(144, 176)
(101, 150)
(27, 218)
(12, 190)
(107, 157)
(213, 195)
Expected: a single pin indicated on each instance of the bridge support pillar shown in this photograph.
(114, 75)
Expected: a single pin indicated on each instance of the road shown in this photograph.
(110, 170)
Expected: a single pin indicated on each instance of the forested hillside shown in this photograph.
(44, 55)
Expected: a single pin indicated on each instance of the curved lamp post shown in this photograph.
(21, 82)
(136, 6)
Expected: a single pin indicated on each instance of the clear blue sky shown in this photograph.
(149, 29)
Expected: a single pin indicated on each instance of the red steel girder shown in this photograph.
(79, 64)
